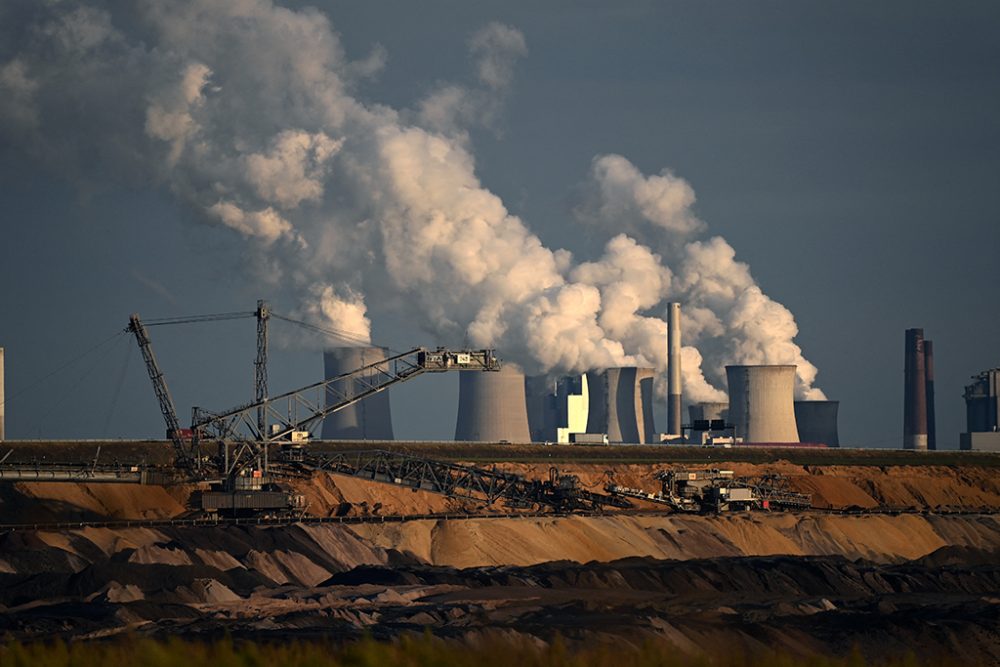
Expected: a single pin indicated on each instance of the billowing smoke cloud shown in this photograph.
(251, 115)
(725, 314)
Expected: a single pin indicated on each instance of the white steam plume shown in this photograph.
(251, 115)
(725, 313)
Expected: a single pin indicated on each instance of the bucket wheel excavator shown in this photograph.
(232, 449)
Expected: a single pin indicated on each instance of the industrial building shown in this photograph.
(369, 419)
(761, 403)
(817, 422)
(572, 407)
(708, 411)
(621, 404)
(492, 407)
(982, 413)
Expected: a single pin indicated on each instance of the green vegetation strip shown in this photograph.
(415, 651)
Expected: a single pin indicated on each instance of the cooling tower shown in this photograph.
(492, 406)
(817, 422)
(674, 369)
(761, 403)
(914, 392)
(708, 411)
(368, 419)
(621, 404)
(541, 403)
(929, 394)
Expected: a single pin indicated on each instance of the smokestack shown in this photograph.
(368, 419)
(929, 394)
(674, 369)
(2, 398)
(914, 393)
(761, 403)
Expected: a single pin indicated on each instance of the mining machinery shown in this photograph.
(240, 468)
(244, 452)
(716, 491)
(560, 493)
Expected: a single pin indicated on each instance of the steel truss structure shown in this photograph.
(320, 399)
(559, 492)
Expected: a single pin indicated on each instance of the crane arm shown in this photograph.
(163, 397)
(339, 392)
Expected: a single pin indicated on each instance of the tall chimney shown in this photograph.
(929, 393)
(914, 393)
(674, 369)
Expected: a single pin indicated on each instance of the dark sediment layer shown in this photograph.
(299, 582)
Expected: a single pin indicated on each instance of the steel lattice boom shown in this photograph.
(304, 408)
(183, 456)
(559, 492)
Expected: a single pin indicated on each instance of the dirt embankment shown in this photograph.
(339, 582)
(527, 541)
(831, 487)
(837, 487)
(482, 542)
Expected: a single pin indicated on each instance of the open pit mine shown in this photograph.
(243, 526)
(888, 554)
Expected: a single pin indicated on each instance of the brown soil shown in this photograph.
(831, 487)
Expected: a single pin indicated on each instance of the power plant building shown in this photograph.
(368, 419)
(621, 404)
(492, 407)
(817, 422)
(572, 401)
(982, 413)
(761, 403)
(708, 411)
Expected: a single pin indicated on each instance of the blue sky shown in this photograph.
(848, 153)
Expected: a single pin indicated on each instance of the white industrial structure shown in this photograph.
(492, 407)
(761, 403)
(369, 419)
(572, 407)
(621, 404)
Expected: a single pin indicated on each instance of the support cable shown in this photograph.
(340, 334)
(61, 368)
(199, 318)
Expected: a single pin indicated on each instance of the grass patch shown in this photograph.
(411, 651)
